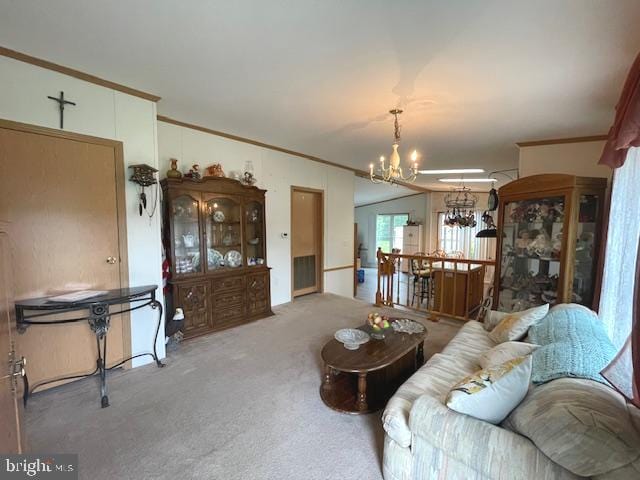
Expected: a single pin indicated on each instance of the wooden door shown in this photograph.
(10, 385)
(63, 195)
(306, 240)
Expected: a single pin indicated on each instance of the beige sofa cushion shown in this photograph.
(504, 352)
(516, 325)
(582, 425)
(435, 378)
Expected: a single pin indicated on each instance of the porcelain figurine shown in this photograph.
(194, 173)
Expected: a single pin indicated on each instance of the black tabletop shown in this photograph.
(112, 297)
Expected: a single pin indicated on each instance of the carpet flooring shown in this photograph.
(239, 404)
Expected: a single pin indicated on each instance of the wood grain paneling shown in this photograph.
(10, 409)
(60, 194)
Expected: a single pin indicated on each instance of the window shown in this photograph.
(389, 230)
(456, 239)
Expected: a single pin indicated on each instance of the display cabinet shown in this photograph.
(216, 240)
(548, 241)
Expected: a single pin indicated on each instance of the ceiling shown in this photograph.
(473, 76)
(367, 192)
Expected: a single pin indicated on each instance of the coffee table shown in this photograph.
(363, 380)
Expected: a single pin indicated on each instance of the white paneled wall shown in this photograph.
(105, 113)
(277, 172)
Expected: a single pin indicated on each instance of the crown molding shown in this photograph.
(557, 141)
(257, 143)
(39, 62)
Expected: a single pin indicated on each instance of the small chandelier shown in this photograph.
(393, 173)
(460, 203)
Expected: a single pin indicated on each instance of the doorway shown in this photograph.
(63, 195)
(306, 240)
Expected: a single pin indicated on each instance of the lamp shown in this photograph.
(393, 173)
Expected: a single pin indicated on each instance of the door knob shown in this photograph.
(111, 260)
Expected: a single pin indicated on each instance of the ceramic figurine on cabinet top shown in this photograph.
(215, 170)
(194, 173)
(173, 172)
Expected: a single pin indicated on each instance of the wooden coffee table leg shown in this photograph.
(361, 403)
(419, 355)
(327, 382)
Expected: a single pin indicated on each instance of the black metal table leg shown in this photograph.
(102, 368)
(157, 305)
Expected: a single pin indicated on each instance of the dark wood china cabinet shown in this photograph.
(216, 239)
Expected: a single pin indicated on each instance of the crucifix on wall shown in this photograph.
(61, 103)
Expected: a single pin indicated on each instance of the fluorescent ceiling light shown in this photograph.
(451, 171)
(467, 180)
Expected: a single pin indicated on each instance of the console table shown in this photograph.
(38, 311)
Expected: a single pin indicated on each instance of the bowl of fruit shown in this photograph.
(379, 325)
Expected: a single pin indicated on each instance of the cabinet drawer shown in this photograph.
(229, 283)
(227, 315)
(228, 298)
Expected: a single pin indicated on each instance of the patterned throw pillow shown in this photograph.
(516, 325)
(491, 394)
(504, 352)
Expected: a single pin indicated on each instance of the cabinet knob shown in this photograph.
(18, 367)
(111, 260)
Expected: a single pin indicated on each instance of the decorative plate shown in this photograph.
(214, 258)
(233, 259)
(218, 216)
(352, 338)
(404, 325)
(195, 261)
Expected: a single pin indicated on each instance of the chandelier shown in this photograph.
(460, 203)
(393, 172)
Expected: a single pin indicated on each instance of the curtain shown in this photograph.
(625, 132)
(620, 295)
(456, 239)
(621, 372)
(616, 302)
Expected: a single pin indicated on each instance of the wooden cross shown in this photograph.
(61, 103)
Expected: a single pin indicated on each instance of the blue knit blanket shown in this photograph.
(573, 343)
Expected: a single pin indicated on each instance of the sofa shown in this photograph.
(424, 439)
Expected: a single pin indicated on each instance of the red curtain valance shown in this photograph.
(625, 132)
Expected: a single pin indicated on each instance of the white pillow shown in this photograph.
(492, 394)
(516, 325)
(504, 352)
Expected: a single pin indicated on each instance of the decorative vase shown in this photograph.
(174, 172)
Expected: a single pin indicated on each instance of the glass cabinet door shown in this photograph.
(185, 212)
(585, 254)
(531, 253)
(255, 233)
(223, 233)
